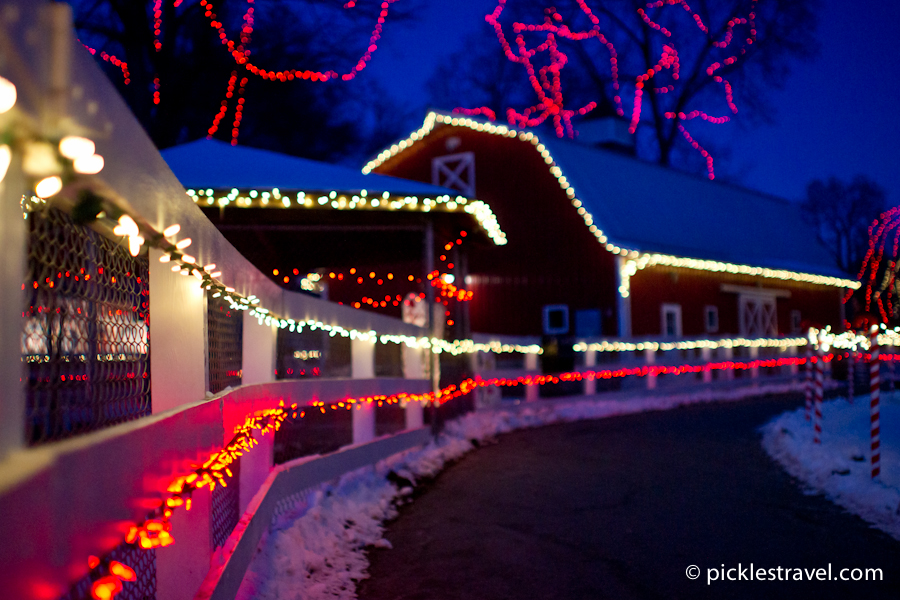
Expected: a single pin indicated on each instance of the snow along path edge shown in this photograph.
(317, 549)
(839, 467)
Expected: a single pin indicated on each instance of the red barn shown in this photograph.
(601, 243)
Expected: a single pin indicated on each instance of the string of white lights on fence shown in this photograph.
(667, 345)
(637, 260)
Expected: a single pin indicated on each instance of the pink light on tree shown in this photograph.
(665, 56)
(878, 272)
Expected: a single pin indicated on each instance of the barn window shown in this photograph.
(670, 317)
(711, 318)
(455, 171)
(556, 319)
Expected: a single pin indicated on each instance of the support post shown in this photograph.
(808, 388)
(362, 353)
(531, 364)
(754, 356)
(795, 368)
(650, 360)
(13, 239)
(728, 355)
(590, 361)
(706, 357)
(851, 375)
(820, 376)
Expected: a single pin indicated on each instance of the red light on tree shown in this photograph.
(542, 46)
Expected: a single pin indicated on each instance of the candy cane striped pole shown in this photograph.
(817, 420)
(809, 382)
(874, 398)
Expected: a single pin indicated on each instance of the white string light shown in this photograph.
(638, 259)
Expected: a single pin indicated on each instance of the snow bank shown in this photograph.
(316, 550)
(839, 467)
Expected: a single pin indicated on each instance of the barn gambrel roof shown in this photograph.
(652, 215)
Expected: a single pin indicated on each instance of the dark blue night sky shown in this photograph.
(837, 116)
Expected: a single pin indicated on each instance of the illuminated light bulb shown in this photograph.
(188, 258)
(171, 230)
(122, 571)
(182, 244)
(48, 186)
(176, 268)
(165, 258)
(127, 226)
(88, 165)
(7, 95)
(209, 267)
(5, 158)
(134, 244)
(75, 147)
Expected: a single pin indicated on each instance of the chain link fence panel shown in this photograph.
(85, 337)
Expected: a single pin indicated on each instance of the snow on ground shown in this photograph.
(317, 550)
(840, 466)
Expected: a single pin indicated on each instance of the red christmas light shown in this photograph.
(546, 83)
(879, 285)
(484, 111)
(154, 531)
(111, 59)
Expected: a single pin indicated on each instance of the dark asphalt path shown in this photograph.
(619, 508)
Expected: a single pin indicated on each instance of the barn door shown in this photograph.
(757, 316)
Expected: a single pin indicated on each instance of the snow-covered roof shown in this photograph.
(651, 208)
(655, 215)
(203, 164)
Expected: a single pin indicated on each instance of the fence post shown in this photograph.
(874, 401)
(817, 409)
(706, 357)
(795, 368)
(808, 375)
(259, 350)
(650, 359)
(851, 375)
(754, 355)
(729, 354)
(532, 392)
(362, 354)
(13, 238)
(590, 361)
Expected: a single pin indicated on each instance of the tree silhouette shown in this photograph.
(841, 214)
(671, 68)
(279, 75)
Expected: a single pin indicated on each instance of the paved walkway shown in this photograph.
(619, 508)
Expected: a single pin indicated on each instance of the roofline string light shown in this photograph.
(637, 260)
(847, 340)
(664, 345)
(336, 200)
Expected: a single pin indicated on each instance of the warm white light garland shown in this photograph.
(637, 259)
(335, 200)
